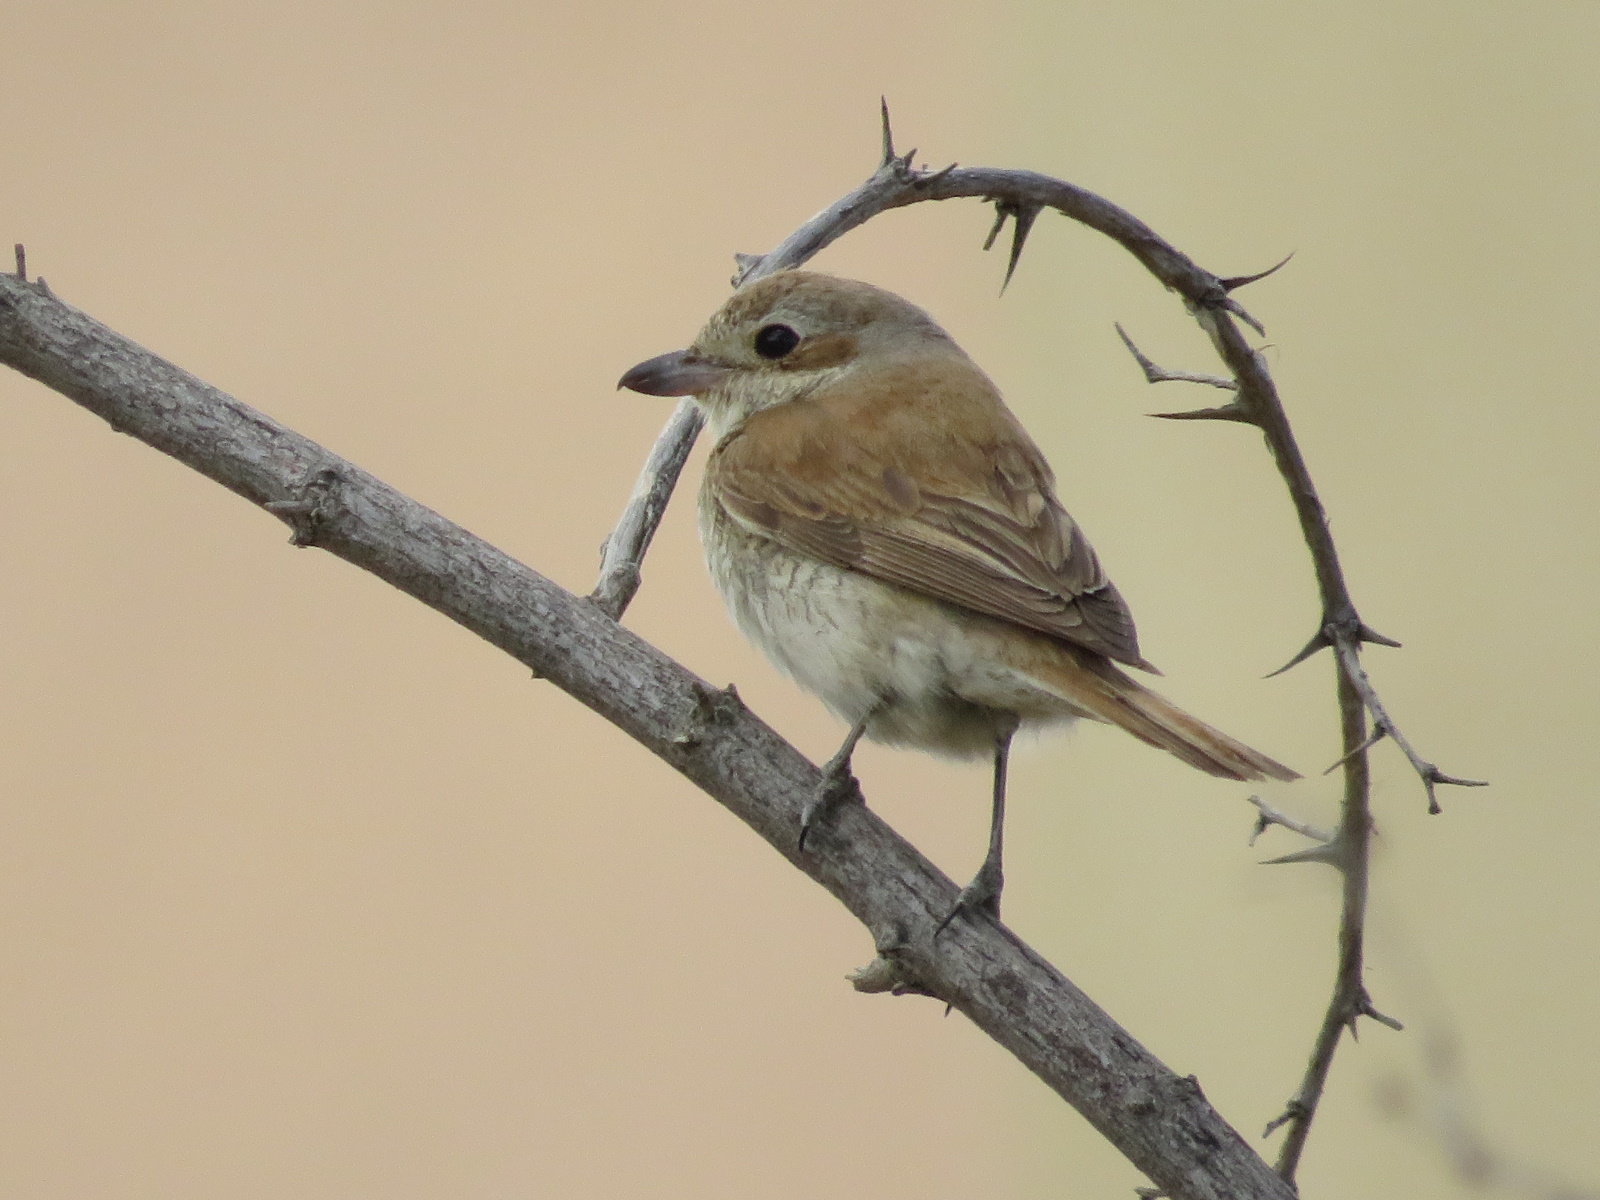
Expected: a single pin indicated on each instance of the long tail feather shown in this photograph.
(1100, 690)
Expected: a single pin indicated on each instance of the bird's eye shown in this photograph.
(774, 341)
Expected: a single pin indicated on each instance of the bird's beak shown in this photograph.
(680, 373)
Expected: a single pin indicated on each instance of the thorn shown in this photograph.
(22, 262)
(1326, 852)
(888, 134)
(1432, 775)
(1238, 310)
(1227, 412)
(1025, 215)
(1319, 642)
(1295, 1110)
(1239, 281)
(1379, 732)
(1381, 1018)
(935, 176)
(1366, 634)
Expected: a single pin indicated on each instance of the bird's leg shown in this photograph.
(838, 785)
(983, 893)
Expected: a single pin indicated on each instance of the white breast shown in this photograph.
(930, 670)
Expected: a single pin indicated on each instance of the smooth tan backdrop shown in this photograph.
(304, 892)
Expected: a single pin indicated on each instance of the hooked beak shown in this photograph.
(677, 374)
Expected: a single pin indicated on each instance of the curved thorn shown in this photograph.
(1026, 215)
(1239, 281)
(1318, 642)
(1238, 310)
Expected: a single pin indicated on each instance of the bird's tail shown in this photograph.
(1098, 689)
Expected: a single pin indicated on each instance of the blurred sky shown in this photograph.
(305, 892)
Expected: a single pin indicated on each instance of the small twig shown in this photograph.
(1267, 816)
(1350, 660)
(22, 262)
(1155, 374)
(623, 555)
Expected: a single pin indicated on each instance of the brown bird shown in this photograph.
(881, 525)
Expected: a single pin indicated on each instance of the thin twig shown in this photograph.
(624, 552)
(1157, 374)
(1350, 657)
(1268, 816)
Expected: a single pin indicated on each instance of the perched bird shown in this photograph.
(881, 525)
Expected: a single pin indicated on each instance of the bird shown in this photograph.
(883, 528)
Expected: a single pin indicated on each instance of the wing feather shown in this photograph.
(991, 538)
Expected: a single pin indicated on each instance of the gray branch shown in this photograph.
(1161, 1122)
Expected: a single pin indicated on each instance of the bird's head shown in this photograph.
(781, 338)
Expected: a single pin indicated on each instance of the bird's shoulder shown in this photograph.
(888, 437)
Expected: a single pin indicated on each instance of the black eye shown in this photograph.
(774, 341)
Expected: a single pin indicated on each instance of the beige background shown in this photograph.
(304, 892)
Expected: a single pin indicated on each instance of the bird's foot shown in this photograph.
(837, 786)
(982, 895)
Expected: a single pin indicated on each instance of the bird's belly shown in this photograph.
(928, 672)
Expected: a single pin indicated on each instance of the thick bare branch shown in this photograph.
(1160, 1121)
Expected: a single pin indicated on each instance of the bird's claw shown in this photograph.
(838, 786)
(981, 895)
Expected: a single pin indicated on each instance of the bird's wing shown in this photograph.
(979, 527)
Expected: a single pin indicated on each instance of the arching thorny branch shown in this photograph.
(1020, 197)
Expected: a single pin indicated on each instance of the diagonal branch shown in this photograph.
(1160, 1121)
